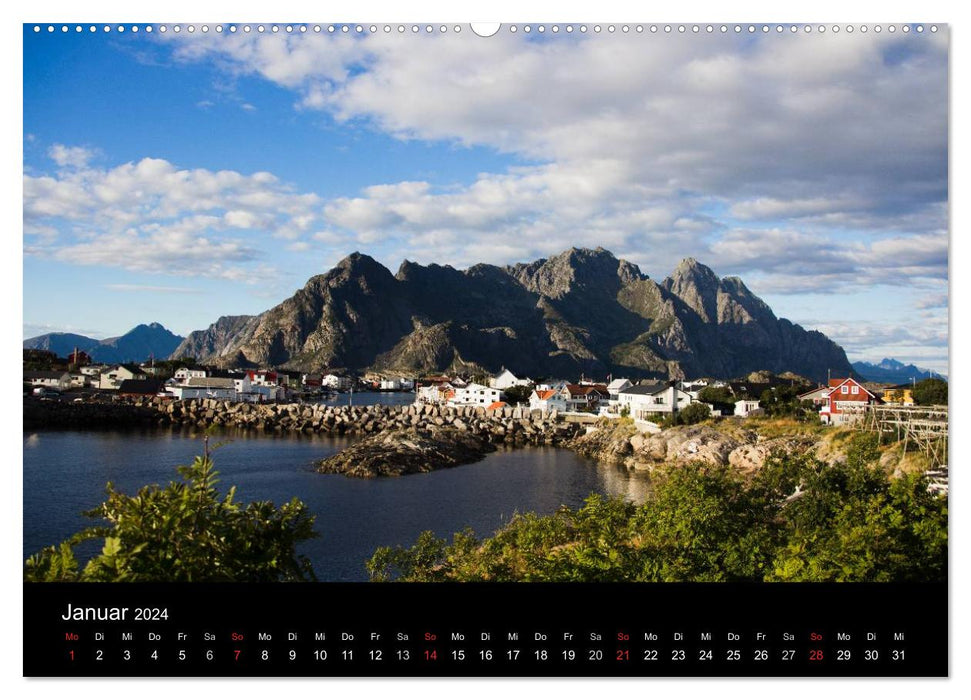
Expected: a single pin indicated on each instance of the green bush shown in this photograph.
(694, 413)
(798, 519)
(930, 392)
(185, 532)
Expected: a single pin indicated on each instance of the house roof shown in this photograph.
(646, 389)
(225, 374)
(546, 394)
(44, 375)
(140, 386)
(823, 392)
(586, 389)
(133, 368)
(211, 382)
(751, 388)
(836, 383)
(617, 384)
(496, 404)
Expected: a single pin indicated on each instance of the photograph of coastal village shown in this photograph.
(395, 303)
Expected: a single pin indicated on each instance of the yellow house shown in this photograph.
(900, 394)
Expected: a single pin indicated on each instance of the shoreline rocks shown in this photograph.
(407, 451)
(621, 443)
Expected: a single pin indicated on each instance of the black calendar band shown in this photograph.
(345, 630)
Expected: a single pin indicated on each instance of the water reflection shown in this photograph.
(65, 474)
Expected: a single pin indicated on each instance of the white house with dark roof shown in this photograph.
(61, 381)
(646, 400)
(506, 379)
(184, 373)
(548, 400)
(206, 388)
(475, 395)
(616, 386)
(113, 377)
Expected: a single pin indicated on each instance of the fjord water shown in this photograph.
(65, 473)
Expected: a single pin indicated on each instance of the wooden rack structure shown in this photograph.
(923, 426)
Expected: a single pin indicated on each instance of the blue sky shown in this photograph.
(178, 178)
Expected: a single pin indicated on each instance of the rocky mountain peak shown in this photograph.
(580, 311)
(359, 263)
(697, 286)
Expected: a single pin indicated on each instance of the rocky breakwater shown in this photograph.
(407, 451)
(619, 442)
(511, 426)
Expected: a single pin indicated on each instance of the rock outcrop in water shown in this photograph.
(407, 451)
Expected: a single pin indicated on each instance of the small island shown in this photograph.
(407, 451)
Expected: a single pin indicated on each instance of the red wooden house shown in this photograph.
(845, 401)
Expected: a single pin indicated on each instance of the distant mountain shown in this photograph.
(890, 371)
(137, 345)
(582, 311)
(61, 344)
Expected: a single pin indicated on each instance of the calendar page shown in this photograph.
(515, 349)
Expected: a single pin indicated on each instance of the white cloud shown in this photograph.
(152, 216)
(156, 289)
(71, 156)
(631, 137)
(932, 301)
(793, 262)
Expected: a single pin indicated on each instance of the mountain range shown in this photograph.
(893, 371)
(137, 345)
(582, 311)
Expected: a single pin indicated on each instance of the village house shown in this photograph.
(264, 377)
(184, 373)
(747, 407)
(475, 395)
(819, 396)
(397, 384)
(902, 395)
(694, 387)
(434, 394)
(112, 378)
(206, 388)
(644, 401)
(548, 400)
(846, 400)
(506, 379)
(78, 358)
(585, 397)
(241, 380)
(59, 381)
(333, 381)
(92, 371)
(616, 386)
(289, 378)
